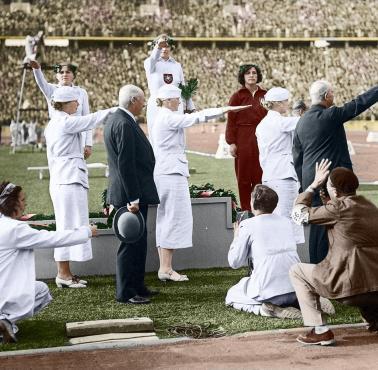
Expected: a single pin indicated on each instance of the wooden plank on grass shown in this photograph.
(113, 337)
(130, 325)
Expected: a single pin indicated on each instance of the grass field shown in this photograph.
(176, 304)
(13, 168)
(219, 172)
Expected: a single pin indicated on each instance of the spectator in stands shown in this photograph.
(240, 132)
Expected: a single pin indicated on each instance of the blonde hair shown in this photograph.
(268, 105)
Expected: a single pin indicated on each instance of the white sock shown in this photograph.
(321, 329)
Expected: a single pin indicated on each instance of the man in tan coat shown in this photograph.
(349, 273)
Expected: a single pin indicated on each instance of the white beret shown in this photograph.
(277, 94)
(168, 92)
(64, 94)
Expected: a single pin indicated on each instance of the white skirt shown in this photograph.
(71, 211)
(287, 191)
(174, 220)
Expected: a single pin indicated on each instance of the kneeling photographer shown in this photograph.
(349, 271)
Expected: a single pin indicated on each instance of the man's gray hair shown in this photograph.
(127, 95)
(318, 90)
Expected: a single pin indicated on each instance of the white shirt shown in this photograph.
(160, 71)
(17, 266)
(268, 239)
(275, 141)
(168, 138)
(63, 140)
(82, 110)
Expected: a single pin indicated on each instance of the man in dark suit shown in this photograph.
(320, 134)
(131, 183)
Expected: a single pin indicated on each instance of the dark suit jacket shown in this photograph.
(320, 134)
(131, 161)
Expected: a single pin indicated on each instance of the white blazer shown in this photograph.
(272, 253)
(168, 139)
(17, 266)
(83, 109)
(64, 152)
(275, 141)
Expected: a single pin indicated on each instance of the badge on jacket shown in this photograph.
(168, 78)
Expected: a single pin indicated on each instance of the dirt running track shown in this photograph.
(355, 349)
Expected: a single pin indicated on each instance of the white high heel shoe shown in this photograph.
(163, 276)
(72, 283)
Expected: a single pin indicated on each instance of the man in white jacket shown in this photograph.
(268, 239)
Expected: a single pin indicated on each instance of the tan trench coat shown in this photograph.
(351, 265)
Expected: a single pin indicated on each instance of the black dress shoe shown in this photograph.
(138, 300)
(148, 293)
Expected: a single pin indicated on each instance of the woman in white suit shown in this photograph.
(161, 69)
(174, 222)
(275, 141)
(69, 177)
(21, 296)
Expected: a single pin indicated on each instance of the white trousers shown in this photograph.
(42, 299)
(287, 191)
(71, 211)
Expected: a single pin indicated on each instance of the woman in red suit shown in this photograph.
(240, 132)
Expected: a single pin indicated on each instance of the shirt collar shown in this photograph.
(170, 59)
(128, 112)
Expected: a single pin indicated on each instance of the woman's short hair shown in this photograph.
(71, 67)
(9, 204)
(58, 105)
(244, 69)
(344, 180)
(264, 199)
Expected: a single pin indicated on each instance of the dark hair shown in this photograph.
(70, 67)
(244, 69)
(58, 105)
(264, 198)
(344, 180)
(10, 204)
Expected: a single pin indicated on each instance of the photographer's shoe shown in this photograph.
(311, 338)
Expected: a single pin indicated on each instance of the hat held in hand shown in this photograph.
(128, 227)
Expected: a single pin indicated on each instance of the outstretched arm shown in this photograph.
(356, 106)
(46, 88)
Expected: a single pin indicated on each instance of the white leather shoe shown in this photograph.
(168, 276)
(72, 283)
(272, 310)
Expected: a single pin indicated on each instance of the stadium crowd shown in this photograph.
(102, 70)
(204, 18)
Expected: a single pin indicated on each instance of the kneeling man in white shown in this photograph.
(269, 241)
